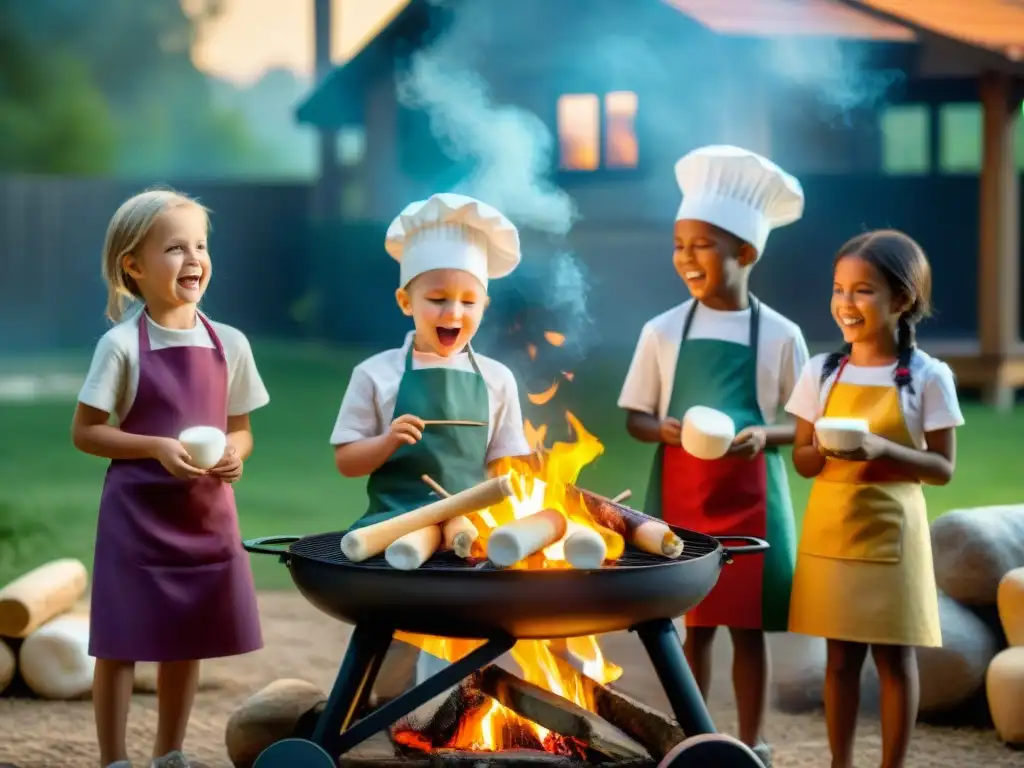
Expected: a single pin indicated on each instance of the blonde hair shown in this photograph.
(127, 229)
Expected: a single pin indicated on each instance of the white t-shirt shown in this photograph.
(368, 407)
(113, 378)
(932, 406)
(781, 355)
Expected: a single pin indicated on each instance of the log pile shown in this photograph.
(620, 732)
(44, 642)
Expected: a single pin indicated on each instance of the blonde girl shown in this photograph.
(171, 583)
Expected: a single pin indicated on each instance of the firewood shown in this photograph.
(435, 724)
(557, 714)
(655, 731)
(41, 594)
(54, 660)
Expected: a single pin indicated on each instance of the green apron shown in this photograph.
(732, 495)
(454, 456)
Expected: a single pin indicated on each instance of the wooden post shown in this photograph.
(327, 195)
(999, 238)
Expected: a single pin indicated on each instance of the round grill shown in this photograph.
(325, 548)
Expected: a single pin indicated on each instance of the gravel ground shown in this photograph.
(302, 643)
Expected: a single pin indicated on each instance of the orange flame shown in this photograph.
(554, 338)
(542, 398)
(546, 480)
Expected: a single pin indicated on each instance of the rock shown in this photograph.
(798, 675)
(1005, 688)
(1010, 600)
(279, 711)
(952, 674)
(974, 548)
(8, 665)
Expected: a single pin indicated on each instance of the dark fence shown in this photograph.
(278, 274)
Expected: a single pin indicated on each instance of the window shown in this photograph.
(960, 138)
(351, 145)
(906, 140)
(595, 132)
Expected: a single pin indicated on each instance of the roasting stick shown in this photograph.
(521, 538)
(459, 533)
(414, 549)
(364, 543)
(453, 423)
(622, 496)
(643, 532)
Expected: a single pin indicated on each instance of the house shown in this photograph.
(888, 110)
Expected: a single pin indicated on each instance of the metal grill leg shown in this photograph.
(366, 650)
(666, 651)
(349, 734)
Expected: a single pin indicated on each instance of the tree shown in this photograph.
(91, 77)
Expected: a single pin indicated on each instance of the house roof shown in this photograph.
(790, 18)
(997, 25)
(992, 31)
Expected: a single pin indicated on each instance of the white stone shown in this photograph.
(974, 548)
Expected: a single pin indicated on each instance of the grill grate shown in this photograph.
(326, 548)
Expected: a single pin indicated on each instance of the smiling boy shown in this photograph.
(725, 350)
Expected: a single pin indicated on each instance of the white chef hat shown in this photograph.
(739, 191)
(449, 231)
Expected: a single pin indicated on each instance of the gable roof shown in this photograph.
(989, 32)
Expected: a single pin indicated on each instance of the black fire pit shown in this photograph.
(450, 597)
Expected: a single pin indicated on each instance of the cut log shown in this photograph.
(277, 712)
(557, 714)
(31, 600)
(656, 732)
(54, 660)
(453, 758)
(436, 724)
(8, 665)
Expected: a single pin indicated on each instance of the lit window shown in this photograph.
(579, 132)
(906, 144)
(621, 148)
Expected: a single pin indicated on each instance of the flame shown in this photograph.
(541, 398)
(554, 338)
(569, 375)
(544, 480)
(531, 350)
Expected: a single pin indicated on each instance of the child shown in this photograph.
(864, 570)
(725, 350)
(171, 582)
(448, 247)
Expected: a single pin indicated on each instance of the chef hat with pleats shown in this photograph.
(449, 231)
(739, 191)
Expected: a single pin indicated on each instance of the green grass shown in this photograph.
(49, 491)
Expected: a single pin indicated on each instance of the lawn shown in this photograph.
(49, 491)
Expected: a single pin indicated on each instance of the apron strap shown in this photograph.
(835, 380)
(755, 324)
(408, 357)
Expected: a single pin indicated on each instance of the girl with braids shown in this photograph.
(864, 573)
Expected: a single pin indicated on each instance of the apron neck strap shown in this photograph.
(755, 325)
(412, 344)
(835, 380)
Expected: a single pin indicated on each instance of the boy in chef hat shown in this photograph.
(725, 350)
(448, 248)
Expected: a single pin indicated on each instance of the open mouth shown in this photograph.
(850, 322)
(694, 276)
(448, 336)
(190, 282)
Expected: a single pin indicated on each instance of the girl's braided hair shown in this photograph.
(904, 265)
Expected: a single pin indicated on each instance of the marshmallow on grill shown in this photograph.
(739, 191)
(449, 231)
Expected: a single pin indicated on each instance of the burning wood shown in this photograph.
(643, 532)
(557, 714)
(364, 543)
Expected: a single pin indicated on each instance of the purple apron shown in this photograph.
(171, 581)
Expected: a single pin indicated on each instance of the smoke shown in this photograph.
(838, 74)
(510, 151)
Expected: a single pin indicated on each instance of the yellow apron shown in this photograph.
(864, 565)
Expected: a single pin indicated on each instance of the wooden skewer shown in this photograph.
(453, 423)
(459, 532)
(622, 496)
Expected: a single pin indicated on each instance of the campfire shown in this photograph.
(551, 704)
